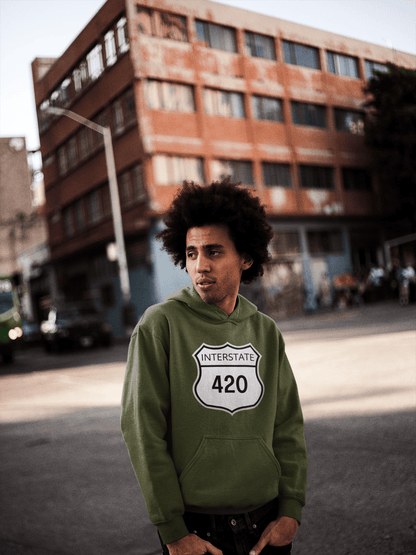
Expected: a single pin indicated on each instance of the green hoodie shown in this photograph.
(211, 414)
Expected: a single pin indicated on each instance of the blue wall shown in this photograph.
(167, 278)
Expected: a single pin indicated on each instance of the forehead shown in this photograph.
(209, 235)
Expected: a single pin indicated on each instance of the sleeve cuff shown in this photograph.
(290, 507)
(172, 530)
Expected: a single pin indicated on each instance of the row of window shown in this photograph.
(96, 205)
(328, 241)
(171, 26)
(162, 95)
(115, 42)
(120, 115)
(104, 54)
(173, 170)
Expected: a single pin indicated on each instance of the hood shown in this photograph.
(187, 295)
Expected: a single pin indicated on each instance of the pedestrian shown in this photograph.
(210, 410)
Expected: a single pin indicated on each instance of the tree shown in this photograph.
(391, 136)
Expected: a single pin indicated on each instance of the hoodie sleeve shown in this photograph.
(145, 407)
(289, 442)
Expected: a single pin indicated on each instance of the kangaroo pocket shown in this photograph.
(230, 472)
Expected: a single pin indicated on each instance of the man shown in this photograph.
(210, 411)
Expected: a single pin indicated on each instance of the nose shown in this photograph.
(202, 264)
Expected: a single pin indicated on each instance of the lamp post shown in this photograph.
(115, 200)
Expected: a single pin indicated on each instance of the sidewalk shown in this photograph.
(67, 487)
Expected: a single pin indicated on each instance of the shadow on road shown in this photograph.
(68, 488)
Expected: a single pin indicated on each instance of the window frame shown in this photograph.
(359, 128)
(257, 105)
(252, 47)
(238, 169)
(268, 168)
(337, 66)
(302, 114)
(209, 31)
(310, 174)
(296, 50)
(218, 101)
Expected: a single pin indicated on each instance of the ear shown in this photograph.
(246, 262)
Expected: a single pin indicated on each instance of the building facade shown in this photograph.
(23, 234)
(198, 91)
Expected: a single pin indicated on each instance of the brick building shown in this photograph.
(199, 90)
(23, 234)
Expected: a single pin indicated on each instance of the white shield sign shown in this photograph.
(228, 377)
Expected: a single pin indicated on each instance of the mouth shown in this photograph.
(205, 284)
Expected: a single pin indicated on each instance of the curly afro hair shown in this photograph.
(221, 203)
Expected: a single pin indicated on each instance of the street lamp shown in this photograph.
(115, 202)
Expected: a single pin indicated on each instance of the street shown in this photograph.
(67, 486)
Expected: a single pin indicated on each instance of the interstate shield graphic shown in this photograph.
(228, 377)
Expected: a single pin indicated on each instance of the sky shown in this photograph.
(45, 28)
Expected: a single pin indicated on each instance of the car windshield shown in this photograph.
(6, 301)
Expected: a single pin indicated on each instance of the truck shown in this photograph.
(10, 319)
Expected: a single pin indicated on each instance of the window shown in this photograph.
(329, 242)
(267, 108)
(106, 200)
(316, 177)
(356, 179)
(80, 216)
(239, 171)
(100, 119)
(122, 36)
(95, 208)
(95, 62)
(162, 24)
(110, 48)
(216, 36)
(342, 65)
(169, 96)
(312, 115)
(130, 107)
(174, 170)
(62, 160)
(65, 91)
(286, 243)
(301, 55)
(72, 152)
(144, 20)
(76, 76)
(85, 142)
(80, 76)
(260, 46)
(173, 27)
(348, 120)
(276, 175)
(118, 117)
(223, 104)
(371, 67)
(138, 183)
(68, 222)
(124, 187)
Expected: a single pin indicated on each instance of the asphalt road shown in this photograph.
(67, 487)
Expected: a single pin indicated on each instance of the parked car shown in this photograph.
(80, 325)
(31, 332)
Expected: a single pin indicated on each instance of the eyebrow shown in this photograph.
(207, 247)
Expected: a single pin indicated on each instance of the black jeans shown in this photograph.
(235, 534)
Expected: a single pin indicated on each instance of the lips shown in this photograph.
(205, 283)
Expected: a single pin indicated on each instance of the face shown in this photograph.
(214, 265)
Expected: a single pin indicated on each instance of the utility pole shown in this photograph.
(115, 201)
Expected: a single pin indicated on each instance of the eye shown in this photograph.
(215, 253)
(190, 255)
